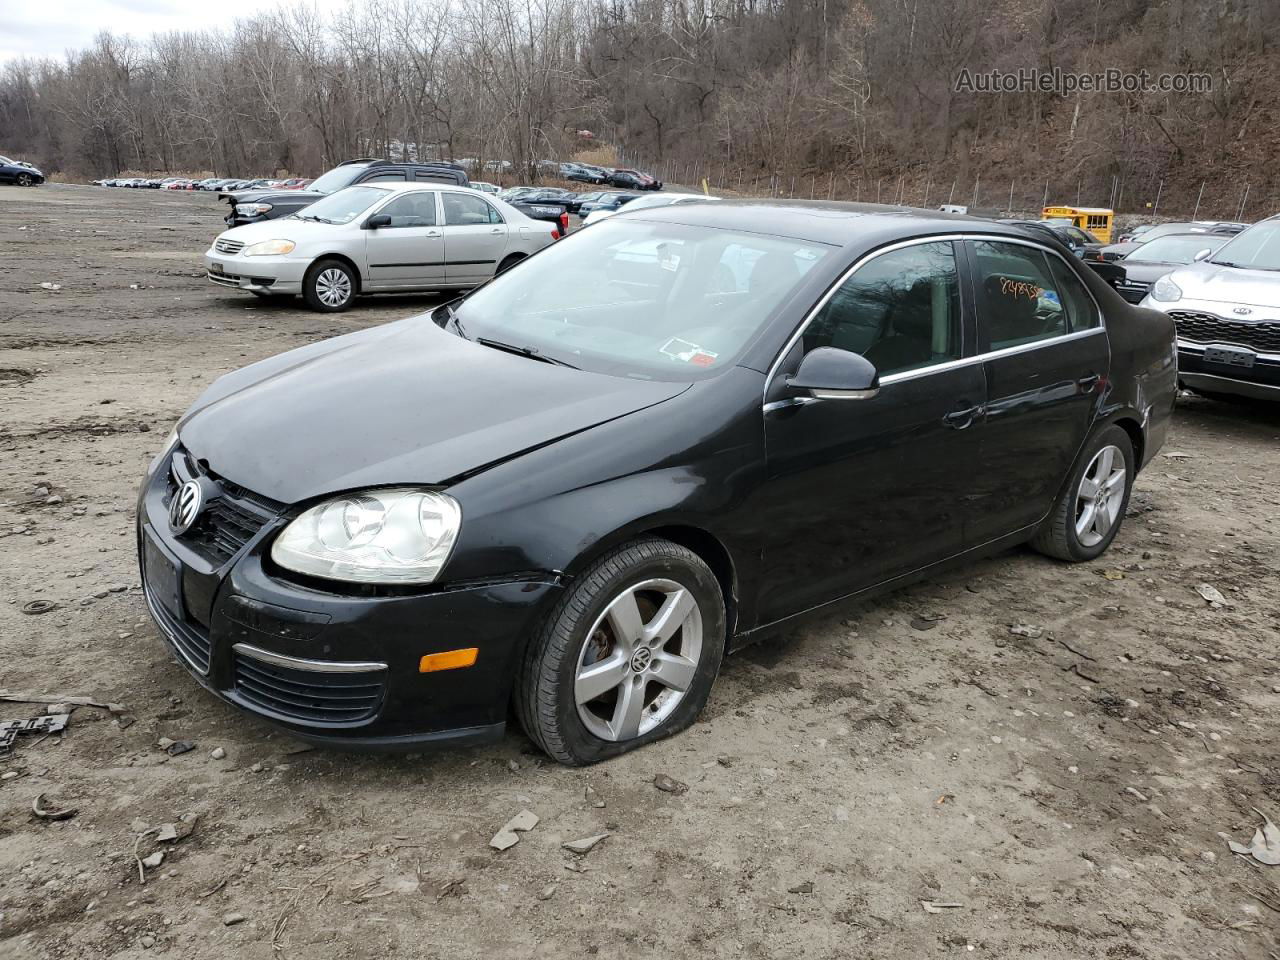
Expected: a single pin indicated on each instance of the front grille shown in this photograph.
(307, 695)
(223, 245)
(229, 521)
(1261, 335)
(188, 639)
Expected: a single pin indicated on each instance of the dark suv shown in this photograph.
(252, 206)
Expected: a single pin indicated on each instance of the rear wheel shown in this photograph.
(329, 286)
(628, 656)
(1088, 514)
(509, 262)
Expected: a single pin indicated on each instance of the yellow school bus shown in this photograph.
(1096, 220)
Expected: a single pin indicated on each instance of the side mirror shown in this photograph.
(829, 373)
(1201, 254)
(379, 220)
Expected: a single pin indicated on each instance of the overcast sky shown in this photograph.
(49, 28)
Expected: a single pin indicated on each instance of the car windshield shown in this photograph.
(343, 206)
(1178, 248)
(336, 179)
(1258, 248)
(653, 301)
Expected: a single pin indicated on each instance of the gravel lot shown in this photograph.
(1066, 790)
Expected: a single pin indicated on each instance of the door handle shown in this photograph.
(433, 233)
(959, 419)
(1086, 384)
(496, 230)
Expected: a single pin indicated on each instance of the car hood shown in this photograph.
(271, 196)
(1146, 271)
(282, 228)
(404, 403)
(1210, 281)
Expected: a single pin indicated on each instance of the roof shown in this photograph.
(823, 221)
(400, 186)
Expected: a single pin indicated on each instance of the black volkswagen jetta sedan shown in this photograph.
(573, 491)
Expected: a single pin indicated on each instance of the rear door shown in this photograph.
(475, 237)
(410, 252)
(1046, 364)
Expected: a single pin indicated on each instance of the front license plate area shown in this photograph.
(1229, 356)
(164, 577)
(216, 268)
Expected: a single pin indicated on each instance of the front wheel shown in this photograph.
(329, 286)
(1087, 516)
(24, 180)
(628, 655)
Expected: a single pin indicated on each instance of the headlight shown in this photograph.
(1165, 290)
(378, 536)
(269, 248)
(250, 209)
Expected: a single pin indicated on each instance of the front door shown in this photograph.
(1046, 366)
(475, 238)
(410, 251)
(861, 491)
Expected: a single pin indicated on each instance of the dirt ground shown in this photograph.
(1065, 793)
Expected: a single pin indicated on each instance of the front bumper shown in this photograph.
(261, 274)
(334, 668)
(1218, 353)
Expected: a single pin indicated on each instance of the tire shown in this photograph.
(324, 287)
(508, 262)
(24, 180)
(580, 633)
(1066, 535)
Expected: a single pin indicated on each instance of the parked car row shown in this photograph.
(210, 183)
(613, 176)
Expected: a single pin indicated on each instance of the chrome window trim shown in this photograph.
(298, 663)
(946, 364)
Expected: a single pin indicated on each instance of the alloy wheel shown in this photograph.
(24, 180)
(333, 287)
(639, 660)
(1100, 496)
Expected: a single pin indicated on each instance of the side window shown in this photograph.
(1082, 312)
(388, 175)
(412, 210)
(900, 310)
(1020, 300)
(463, 210)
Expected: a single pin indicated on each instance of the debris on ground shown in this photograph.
(50, 286)
(39, 606)
(217, 753)
(669, 784)
(584, 845)
(940, 906)
(509, 835)
(805, 886)
(1265, 846)
(926, 621)
(11, 697)
(547, 892)
(1212, 596)
(1113, 574)
(153, 860)
(47, 724)
(593, 798)
(1024, 630)
(175, 748)
(231, 919)
(51, 813)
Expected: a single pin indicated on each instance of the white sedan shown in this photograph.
(377, 238)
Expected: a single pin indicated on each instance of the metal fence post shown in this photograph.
(1199, 197)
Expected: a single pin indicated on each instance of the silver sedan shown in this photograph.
(377, 238)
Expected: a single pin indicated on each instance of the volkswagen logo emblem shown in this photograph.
(1243, 311)
(185, 507)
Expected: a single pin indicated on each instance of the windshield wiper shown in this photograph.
(529, 352)
(312, 216)
(452, 317)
